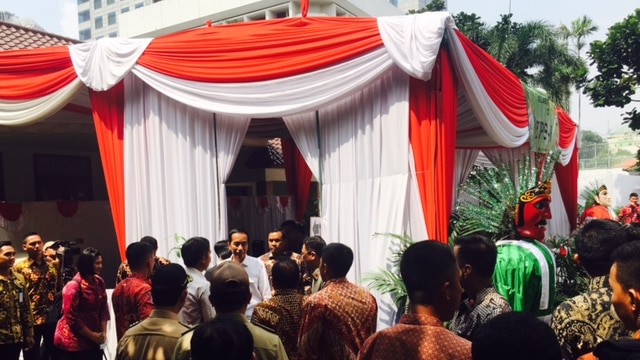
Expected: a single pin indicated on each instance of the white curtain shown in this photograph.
(465, 158)
(171, 167)
(558, 225)
(365, 172)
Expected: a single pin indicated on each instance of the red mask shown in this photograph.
(533, 211)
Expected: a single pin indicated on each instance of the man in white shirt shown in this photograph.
(196, 254)
(258, 278)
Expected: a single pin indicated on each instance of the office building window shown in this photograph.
(139, 5)
(111, 2)
(113, 34)
(111, 18)
(84, 16)
(84, 34)
(62, 177)
(98, 22)
(124, 10)
(97, 4)
(82, 1)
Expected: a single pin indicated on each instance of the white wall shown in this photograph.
(618, 182)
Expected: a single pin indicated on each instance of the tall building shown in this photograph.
(99, 18)
(138, 18)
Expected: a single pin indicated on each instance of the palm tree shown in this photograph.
(581, 28)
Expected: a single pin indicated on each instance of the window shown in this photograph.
(62, 177)
(85, 34)
(84, 16)
(139, 5)
(98, 22)
(82, 1)
(111, 2)
(113, 34)
(124, 10)
(97, 4)
(111, 18)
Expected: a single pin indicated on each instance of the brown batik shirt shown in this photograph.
(16, 321)
(43, 282)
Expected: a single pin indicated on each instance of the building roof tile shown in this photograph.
(16, 37)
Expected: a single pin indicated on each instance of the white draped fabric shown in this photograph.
(176, 193)
(558, 225)
(465, 159)
(28, 111)
(304, 130)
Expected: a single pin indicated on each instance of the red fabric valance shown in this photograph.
(33, 73)
(502, 86)
(261, 50)
(568, 129)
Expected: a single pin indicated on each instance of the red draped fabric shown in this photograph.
(433, 121)
(567, 176)
(503, 87)
(108, 116)
(30, 74)
(304, 7)
(298, 176)
(261, 50)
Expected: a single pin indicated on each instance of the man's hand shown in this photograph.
(29, 342)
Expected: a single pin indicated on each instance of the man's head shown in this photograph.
(169, 287)
(476, 257)
(603, 198)
(32, 244)
(515, 335)
(633, 199)
(432, 278)
(196, 253)
(293, 233)
(50, 249)
(238, 245)
(140, 257)
(595, 243)
(229, 287)
(625, 282)
(533, 211)
(277, 244)
(285, 274)
(7, 255)
(312, 251)
(221, 248)
(336, 261)
(227, 338)
(151, 241)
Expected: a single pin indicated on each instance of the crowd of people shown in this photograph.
(295, 301)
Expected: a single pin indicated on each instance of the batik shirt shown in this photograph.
(629, 214)
(84, 304)
(269, 259)
(124, 270)
(416, 337)
(336, 321)
(474, 312)
(583, 321)
(282, 314)
(16, 321)
(131, 302)
(43, 285)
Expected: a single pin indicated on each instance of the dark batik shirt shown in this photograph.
(16, 321)
(282, 314)
(474, 312)
(43, 283)
(583, 321)
(124, 270)
(132, 302)
(336, 321)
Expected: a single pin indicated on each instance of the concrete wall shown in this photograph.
(618, 182)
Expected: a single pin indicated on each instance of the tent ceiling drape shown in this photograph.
(283, 68)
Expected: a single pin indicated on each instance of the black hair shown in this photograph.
(285, 273)
(515, 335)
(425, 266)
(167, 286)
(138, 254)
(221, 248)
(315, 244)
(151, 241)
(32, 233)
(595, 242)
(338, 257)
(633, 231)
(633, 194)
(225, 337)
(478, 251)
(627, 265)
(238, 231)
(85, 261)
(6, 243)
(193, 250)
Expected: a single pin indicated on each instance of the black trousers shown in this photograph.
(35, 352)
(10, 351)
(80, 355)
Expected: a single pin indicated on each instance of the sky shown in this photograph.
(60, 17)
